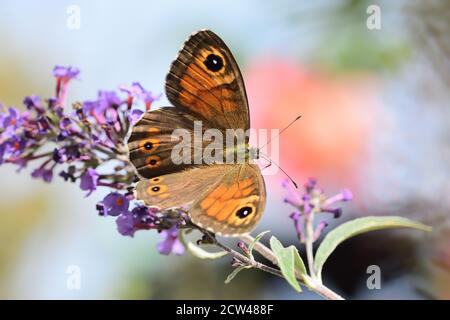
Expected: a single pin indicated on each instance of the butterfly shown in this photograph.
(204, 84)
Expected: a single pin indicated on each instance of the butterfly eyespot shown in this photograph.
(148, 146)
(155, 190)
(154, 180)
(213, 62)
(153, 162)
(244, 212)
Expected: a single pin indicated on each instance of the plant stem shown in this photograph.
(312, 284)
(259, 247)
(248, 261)
(309, 240)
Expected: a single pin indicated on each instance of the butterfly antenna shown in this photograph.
(271, 162)
(279, 133)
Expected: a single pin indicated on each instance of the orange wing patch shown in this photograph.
(224, 203)
(146, 129)
(215, 208)
(200, 76)
(197, 93)
(227, 210)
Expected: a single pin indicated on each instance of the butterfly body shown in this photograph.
(225, 195)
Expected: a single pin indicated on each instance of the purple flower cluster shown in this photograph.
(84, 143)
(82, 139)
(143, 218)
(313, 201)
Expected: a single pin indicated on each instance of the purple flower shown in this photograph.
(2, 152)
(91, 135)
(67, 127)
(65, 123)
(43, 125)
(68, 153)
(108, 99)
(89, 181)
(320, 227)
(44, 174)
(13, 147)
(134, 115)
(12, 119)
(307, 206)
(314, 195)
(65, 73)
(148, 99)
(104, 109)
(310, 185)
(144, 217)
(336, 212)
(125, 224)
(69, 174)
(313, 201)
(344, 195)
(105, 100)
(139, 218)
(63, 76)
(89, 107)
(295, 216)
(59, 156)
(137, 91)
(33, 102)
(115, 204)
(171, 243)
(52, 102)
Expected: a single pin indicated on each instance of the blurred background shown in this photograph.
(376, 119)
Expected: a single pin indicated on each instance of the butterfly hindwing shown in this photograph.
(179, 188)
(234, 204)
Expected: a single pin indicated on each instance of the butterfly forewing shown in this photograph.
(152, 140)
(206, 80)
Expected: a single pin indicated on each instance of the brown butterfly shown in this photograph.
(204, 84)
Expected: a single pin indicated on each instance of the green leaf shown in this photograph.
(257, 238)
(358, 226)
(298, 262)
(234, 273)
(199, 252)
(288, 260)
